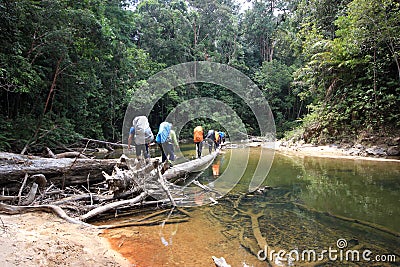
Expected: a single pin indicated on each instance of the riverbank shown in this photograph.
(356, 152)
(42, 239)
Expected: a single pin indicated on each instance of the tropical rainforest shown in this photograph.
(329, 69)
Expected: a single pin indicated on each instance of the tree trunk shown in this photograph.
(147, 176)
(190, 166)
(13, 168)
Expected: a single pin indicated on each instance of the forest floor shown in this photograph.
(43, 239)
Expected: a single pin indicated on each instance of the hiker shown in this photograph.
(166, 139)
(210, 140)
(221, 138)
(217, 140)
(130, 138)
(198, 136)
(142, 135)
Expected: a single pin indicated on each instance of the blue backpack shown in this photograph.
(163, 132)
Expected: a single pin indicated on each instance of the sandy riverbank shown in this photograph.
(42, 239)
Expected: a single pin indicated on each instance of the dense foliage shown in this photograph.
(68, 68)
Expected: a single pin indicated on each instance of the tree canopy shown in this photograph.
(68, 69)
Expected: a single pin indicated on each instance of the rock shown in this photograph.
(392, 141)
(359, 146)
(376, 151)
(393, 151)
(354, 152)
(346, 145)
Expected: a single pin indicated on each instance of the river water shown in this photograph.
(331, 212)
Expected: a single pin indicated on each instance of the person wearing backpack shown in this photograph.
(217, 140)
(210, 140)
(166, 139)
(198, 137)
(221, 137)
(131, 137)
(142, 135)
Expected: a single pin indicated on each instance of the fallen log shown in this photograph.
(162, 182)
(146, 175)
(190, 166)
(13, 168)
(17, 169)
(70, 155)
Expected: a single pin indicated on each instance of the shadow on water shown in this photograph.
(306, 204)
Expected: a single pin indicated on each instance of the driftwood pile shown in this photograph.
(80, 189)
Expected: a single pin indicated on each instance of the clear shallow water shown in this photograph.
(310, 204)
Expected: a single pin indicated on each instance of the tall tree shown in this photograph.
(349, 77)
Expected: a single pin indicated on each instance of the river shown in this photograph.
(333, 212)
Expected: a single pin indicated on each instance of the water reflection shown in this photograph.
(363, 190)
(215, 168)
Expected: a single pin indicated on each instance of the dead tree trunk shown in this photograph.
(140, 179)
(190, 166)
(13, 168)
(121, 181)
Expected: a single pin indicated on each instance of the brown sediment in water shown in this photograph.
(186, 244)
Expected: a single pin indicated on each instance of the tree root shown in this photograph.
(113, 205)
(154, 214)
(357, 221)
(246, 244)
(12, 210)
(144, 223)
